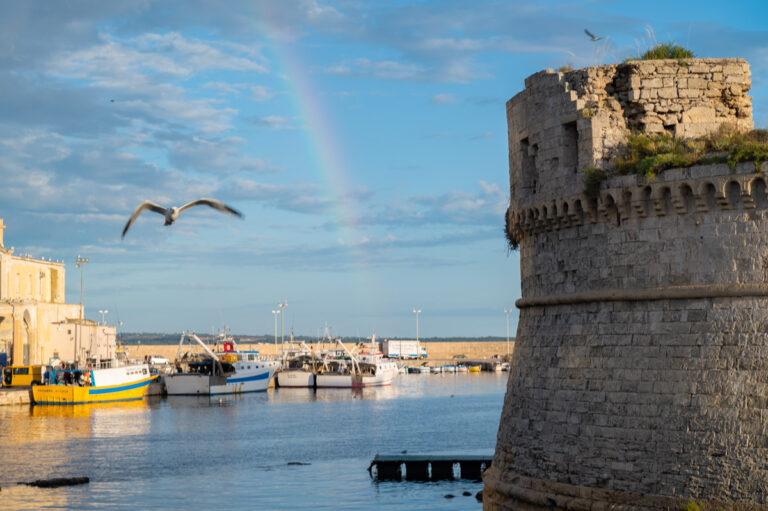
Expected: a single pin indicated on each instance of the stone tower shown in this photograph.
(640, 371)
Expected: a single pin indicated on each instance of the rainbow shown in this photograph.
(326, 147)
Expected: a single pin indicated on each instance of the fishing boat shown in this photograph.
(462, 369)
(436, 370)
(298, 367)
(475, 369)
(229, 372)
(448, 368)
(346, 369)
(98, 382)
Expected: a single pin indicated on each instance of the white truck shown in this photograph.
(403, 349)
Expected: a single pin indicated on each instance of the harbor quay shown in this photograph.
(436, 351)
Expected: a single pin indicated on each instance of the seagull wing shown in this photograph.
(212, 203)
(146, 205)
(591, 35)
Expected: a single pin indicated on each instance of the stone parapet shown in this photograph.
(636, 234)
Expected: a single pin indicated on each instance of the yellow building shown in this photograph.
(35, 322)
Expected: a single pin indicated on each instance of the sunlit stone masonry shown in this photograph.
(640, 372)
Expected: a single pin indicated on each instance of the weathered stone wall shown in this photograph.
(640, 373)
(564, 122)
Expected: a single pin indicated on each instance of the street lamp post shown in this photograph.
(275, 313)
(417, 312)
(282, 306)
(80, 262)
(507, 312)
(103, 312)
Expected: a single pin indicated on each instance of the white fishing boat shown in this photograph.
(448, 368)
(352, 370)
(298, 367)
(230, 372)
(436, 370)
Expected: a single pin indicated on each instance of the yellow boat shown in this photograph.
(474, 369)
(74, 386)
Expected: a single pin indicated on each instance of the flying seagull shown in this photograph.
(592, 36)
(171, 214)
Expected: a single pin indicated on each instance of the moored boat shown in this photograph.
(367, 369)
(231, 372)
(298, 367)
(69, 386)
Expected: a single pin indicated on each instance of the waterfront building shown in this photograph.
(36, 323)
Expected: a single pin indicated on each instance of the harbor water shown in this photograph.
(280, 449)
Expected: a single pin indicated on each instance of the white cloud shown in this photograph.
(338, 69)
(443, 99)
(273, 122)
(225, 87)
(261, 93)
(116, 61)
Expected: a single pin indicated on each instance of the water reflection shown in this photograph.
(162, 451)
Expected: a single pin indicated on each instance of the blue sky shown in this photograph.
(365, 142)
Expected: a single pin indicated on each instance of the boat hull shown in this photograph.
(295, 379)
(347, 381)
(185, 384)
(74, 395)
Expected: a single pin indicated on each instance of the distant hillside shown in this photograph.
(153, 338)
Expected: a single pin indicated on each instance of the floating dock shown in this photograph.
(429, 467)
(15, 395)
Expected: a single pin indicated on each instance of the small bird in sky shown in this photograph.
(592, 36)
(171, 214)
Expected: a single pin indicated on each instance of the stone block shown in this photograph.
(667, 92)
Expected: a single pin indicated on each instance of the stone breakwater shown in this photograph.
(640, 373)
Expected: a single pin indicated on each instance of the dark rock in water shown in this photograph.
(467, 493)
(300, 463)
(448, 496)
(58, 481)
(479, 496)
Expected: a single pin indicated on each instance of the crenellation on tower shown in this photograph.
(641, 356)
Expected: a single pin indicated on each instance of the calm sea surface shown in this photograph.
(233, 452)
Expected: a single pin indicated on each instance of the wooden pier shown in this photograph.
(429, 467)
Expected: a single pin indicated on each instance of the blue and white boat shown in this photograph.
(230, 372)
